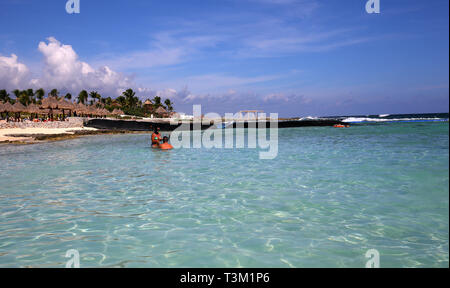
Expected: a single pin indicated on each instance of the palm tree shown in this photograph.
(24, 98)
(169, 105)
(122, 101)
(30, 93)
(68, 96)
(95, 96)
(82, 97)
(130, 98)
(40, 94)
(54, 93)
(16, 93)
(4, 96)
(108, 101)
(156, 102)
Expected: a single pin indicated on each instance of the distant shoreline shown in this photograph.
(26, 137)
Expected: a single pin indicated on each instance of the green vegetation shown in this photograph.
(169, 105)
(82, 97)
(4, 96)
(40, 93)
(128, 102)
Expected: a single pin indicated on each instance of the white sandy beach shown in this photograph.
(34, 131)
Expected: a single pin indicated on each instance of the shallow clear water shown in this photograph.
(329, 196)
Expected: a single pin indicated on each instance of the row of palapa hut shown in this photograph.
(51, 106)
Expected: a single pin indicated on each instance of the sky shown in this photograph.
(291, 57)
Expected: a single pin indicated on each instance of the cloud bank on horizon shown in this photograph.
(294, 57)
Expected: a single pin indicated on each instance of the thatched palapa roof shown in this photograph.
(80, 108)
(105, 112)
(7, 107)
(92, 110)
(160, 110)
(19, 108)
(49, 102)
(33, 108)
(66, 105)
(118, 112)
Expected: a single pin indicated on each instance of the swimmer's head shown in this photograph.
(165, 139)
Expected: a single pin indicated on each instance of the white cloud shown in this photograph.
(13, 74)
(174, 94)
(63, 70)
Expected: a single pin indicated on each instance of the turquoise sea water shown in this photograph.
(329, 196)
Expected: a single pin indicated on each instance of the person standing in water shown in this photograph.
(156, 138)
(165, 145)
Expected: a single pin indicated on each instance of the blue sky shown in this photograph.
(293, 57)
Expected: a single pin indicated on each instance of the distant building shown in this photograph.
(186, 117)
(148, 106)
(162, 113)
(115, 104)
(174, 115)
(249, 114)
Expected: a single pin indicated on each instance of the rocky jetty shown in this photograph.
(73, 122)
(132, 125)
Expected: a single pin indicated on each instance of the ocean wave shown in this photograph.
(365, 119)
(309, 118)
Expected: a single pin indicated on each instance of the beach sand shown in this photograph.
(26, 134)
